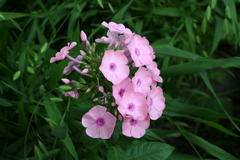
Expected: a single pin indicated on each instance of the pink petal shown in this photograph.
(93, 131)
(142, 81)
(88, 120)
(114, 66)
(156, 103)
(121, 88)
(141, 52)
(137, 132)
(110, 120)
(134, 104)
(97, 111)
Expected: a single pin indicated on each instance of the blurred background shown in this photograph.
(197, 46)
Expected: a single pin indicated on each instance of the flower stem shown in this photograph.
(72, 59)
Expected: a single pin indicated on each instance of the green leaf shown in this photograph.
(30, 70)
(16, 75)
(182, 156)
(47, 155)
(210, 148)
(174, 106)
(120, 14)
(208, 84)
(189, 28)
(11, 15)
(228, 12)
(52, 111)
(200, 65)
(213, 3)
(60, 131)
(65, 87)
(171, 12)
(111, 7)
(100, 3)
(5, 103)
(209, 123)
(208, 12)
(56, 99)
(218, 34)
(174, 52)
(37, 153)
(115, 153)
(204, 25)
(44, 47)
(149, 151)
(69, 145)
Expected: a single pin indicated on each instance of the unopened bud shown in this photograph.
(95, 99)
(101, 89)
(65, 80)
(82, 53)
(83, 36)
(88, 90)
(85, 71)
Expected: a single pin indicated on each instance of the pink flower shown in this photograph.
(113, 39)
(114, 66)
(63, 52)
(99, 123)
(155, 72)
(73, 94)
(133, 104)
(156, 103)
(116, 28)
(142, 80)
(121, 88)
(72, 66)
(135, 128)
(117, 35)
(141, 51)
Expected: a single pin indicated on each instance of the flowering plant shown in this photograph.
(128, 66)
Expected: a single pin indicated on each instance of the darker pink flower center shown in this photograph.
(139, 82)
(112, 66)
(137, 52)
(100, 122)
(150, 101)
(131, 107)
(121, 92)
(133, 122)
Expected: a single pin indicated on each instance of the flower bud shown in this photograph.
(83, 36)
(82, 53)
(88, 90)
(85, 71)
(65, 80)
(101, 89)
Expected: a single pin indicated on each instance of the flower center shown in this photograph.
(112, 66)
(137, 52)
(131, 107)
(139, 82)
(100, 122)
(133, 122)
(150, 101)
(121, 92)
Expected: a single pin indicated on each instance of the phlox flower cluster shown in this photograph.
(128, 64)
